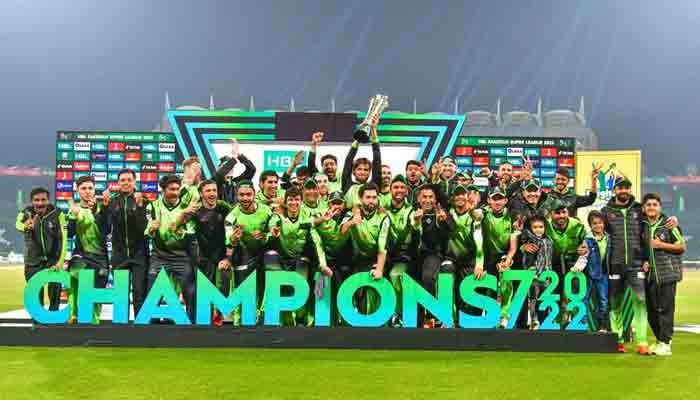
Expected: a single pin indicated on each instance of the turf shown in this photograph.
(75, 373)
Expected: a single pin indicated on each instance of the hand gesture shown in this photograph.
(376, 274)
(479, 272)
(519, 223)
(105, 197)
(327, 216)
(257, 235)
(138, 197)
(155, 225)
(234, 148)
(441, 214)
(193, 207)
(418, 215)
(486, 171)
(297, 157)
(356, 216)
(224, 264)
(436, 168)
(422, 167)
(74, 208)
(31, 222)
(531, 248)
(645, 266)
(326, 271)
(597, 167)
(582, 250)
(275, 231)
(236, 234)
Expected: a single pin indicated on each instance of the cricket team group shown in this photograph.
(327, 225)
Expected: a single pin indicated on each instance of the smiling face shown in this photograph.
(361, 172)
(369, 201)
(532, 195)
(330, 167)
(209, 194)
(246, 197)
(172, 193)
(497, 203)
(426, 199)
(399, 191)
(460, 200)
(269, 186)
(449, 168)
(386, 175)
(322, 183)
(505, 171)
(127, 183)
(560, 217)
(561, 182)
(537, 227)
(413, 174)
(623, 193)
(40, 202)
(293, 204)
(652, 208)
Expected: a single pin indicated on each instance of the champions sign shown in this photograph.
(162, 301)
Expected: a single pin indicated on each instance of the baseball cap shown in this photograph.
(400, 178)
(310, 184)
(497, 191)
(557, 205)
(622, 181)
(335, 197)
(532, 183)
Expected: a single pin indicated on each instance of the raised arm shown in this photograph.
(346, 178)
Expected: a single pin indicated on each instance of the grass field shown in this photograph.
(75, 373)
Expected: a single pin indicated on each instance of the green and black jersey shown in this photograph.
(334, 242)
(258, 220)
(168, 244)
(465, 242)
(297, 238)
(89, 228)
(566, 242)
(370, 237)
(497, 228)
(400, 236)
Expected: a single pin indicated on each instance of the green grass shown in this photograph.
(11, 286)
(75, 373)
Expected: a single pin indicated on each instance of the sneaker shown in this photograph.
(535, 325)
(72, 320)
(620, 347)
(429, 323)
(217, 320)
(662, 349)
(643, 350)
(396, 321)
(503, 323)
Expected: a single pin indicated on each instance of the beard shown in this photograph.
(369, 208)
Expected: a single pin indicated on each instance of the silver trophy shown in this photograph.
(377, 104)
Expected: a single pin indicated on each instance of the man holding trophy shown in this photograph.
(361, 168)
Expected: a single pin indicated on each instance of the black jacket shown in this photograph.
(45, 244)
(624, 224)
(226, 187)
(127, 224)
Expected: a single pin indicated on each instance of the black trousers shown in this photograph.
(661, 305)
(183, 273)
(54, 288)
(138, 276)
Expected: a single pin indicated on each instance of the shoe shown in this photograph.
(72, 320)
(429, 323)
(396, 321)
(662, 349)
(535, 325)
(217, 320)
(620, 347)
(643, 350)
(503, 323)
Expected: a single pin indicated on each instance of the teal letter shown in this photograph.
(525, 277)
(208, 295)
(387, 303)
(31, 296)
(576, 300)
(467, 290)
(89, 295)
(414, 294)
(322, 311)
(162, 288)
(275, 303)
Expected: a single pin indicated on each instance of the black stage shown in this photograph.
(22, 333)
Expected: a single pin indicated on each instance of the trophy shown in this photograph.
(377, 104)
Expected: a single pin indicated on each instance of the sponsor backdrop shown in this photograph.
(476, 152)
(102, 154)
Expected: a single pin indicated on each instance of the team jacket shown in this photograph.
(46, 243)
(624, 224)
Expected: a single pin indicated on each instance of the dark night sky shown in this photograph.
(106, 64)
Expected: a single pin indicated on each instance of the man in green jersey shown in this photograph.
(323, 186)
(335, 244)
(172, 243)
(270, 194)
(497, 227)
(329, 164)
(295, 246)
(385, 189)
(369, 231)
(312, 204)
(414, 179)
(567, 235)
(246, 238)
(465, 243)
(87, 222)
(360, 169)
(44, 230)
(401, 258)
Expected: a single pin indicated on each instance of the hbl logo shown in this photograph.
(280, 160)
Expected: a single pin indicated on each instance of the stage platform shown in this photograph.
(23, 333)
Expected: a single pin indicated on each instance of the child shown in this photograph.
(596, 267)
(539, 261)
(664, 247)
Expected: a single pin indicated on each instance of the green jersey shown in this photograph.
(496, 228)
(400, 230)
(335, 186)
(332, 239)
(297, 237)
(250, 222)
(261, 198)
(189, 193)
(370, 236)
(465, 241)
(166, 241)
(352, 196)
(385, 200)
(89, 230)
(315, 212)
(567, 241)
